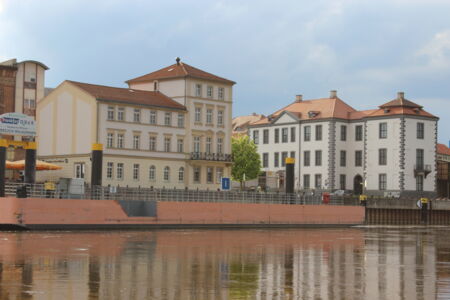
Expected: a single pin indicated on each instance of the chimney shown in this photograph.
(400, 95)
(333, 94)
(298, 98)
(178, 60)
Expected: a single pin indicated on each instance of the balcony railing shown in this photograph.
(211, 156)
(422, 169)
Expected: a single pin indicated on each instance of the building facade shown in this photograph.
(386, 151)
(170, 130)
(443, 171)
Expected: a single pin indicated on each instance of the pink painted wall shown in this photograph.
(78, 211)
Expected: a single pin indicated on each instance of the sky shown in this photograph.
(366, 50)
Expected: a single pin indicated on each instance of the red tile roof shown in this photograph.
(443, 149)
(130, 96)
(179, 70)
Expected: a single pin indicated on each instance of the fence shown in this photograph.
(148, 194)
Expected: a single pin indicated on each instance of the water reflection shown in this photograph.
(228, 264)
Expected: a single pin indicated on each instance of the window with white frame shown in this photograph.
(180, 120)
(120, 140)
(220, 117)
(198, 90)
(382, 182)
(153, 117)
(219, 145)
(198, 114)
(284, 135)
(136, 141)
(166, 175)
(180, 145)
(383, 130)
(318, 181)
(135, 171)
(110, 140)
(119, 171)
(121, 114)
(110, 113)
(109, 170)
(420, 130)
(197, 172)
(152, 143)
(318, 132)
(306, 181)
(137, 115)
(209, 116)
(167, 142)
(221, 93)
(219, 174)
(152, 173)
(256, 137)
(168, 119)
(209, 174)
(181, 174)
(208, 144)
(196, 144)
(265, 160)
(209, 91)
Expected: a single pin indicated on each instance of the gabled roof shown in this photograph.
(129, 96)
(179, 70)
(293, 115)
(443, 149)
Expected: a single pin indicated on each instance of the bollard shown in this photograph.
(289, 181)
(30, 163)
(424, 202)
(3, 147)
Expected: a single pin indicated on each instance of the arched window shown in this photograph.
(152, 173)
(166, 173)
(181, 174)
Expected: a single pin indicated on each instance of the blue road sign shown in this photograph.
(225, 184)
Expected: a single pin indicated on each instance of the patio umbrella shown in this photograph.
(40, 165)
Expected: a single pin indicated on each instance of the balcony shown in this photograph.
(421, 169)
(211, 156)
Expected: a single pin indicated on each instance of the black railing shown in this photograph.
(211, 156)
(422, 169)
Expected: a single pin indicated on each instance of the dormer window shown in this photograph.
(386, 110)
(312, 114)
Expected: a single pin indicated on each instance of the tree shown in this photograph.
(246, 161)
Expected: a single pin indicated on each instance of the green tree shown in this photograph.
(246, 161)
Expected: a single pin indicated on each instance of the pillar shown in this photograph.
(3, 148)
(30, 163)
(289, 180)
(97, 164)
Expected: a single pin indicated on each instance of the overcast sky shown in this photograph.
(367, 50)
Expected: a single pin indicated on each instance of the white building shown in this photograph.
(170, 128)
(388, 149)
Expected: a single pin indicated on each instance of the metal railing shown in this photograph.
(177, 195)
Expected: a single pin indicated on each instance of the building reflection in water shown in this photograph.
(239, 264)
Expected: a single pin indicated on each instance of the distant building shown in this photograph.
(240, 124)
(171, 128)
(443, 171)
(388, 150)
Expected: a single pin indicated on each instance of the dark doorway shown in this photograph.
(358, 185)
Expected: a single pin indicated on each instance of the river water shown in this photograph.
(357, 263)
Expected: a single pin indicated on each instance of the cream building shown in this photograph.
(162, 131)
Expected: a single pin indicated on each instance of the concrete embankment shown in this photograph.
(43, 213)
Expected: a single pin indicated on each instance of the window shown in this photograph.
(153, 117)
(209, 174)
(292, 134)
(343, 158)
(198, 114)
(419, 183)
(277, 135)
(221, 92)
(109, 170)
(196, 144)
(208, 144)
(136, 142)
(292, 154)
(137, 115)
(306, 183)
(152, 143)
(119, 171)
(197, 174)
(135, 171)
(220, 117)
(181, 174)
(166, 174)
(358, 158)
(383, 130)
(382, 179)
(30, 103)
(276, 159)
(167, 142)
(419, 158)
(219, 174)
(79, 170)
(198, 90)
(265, 160)
(168, 119)
(110, 112)
(219, 145)
(343, 133)
(120, 140)
(180, 120)
(420, 130)
(265, 136)
(256, 136)
(284, 135)
(284, 155)
(209, 114)
(318, 132)
(180, 145)
(358, 133)
(121, 114)
(318, 181)
(152, 173)
(306, 158)
(209, 92)
(110, 140)
(382, 157)
(318, 158)
(342, 181)
(307, 133)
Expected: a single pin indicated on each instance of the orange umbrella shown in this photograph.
(40, 165)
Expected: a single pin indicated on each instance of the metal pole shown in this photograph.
(289, 180)
(97, 161)
(3, 147)
(30, 163)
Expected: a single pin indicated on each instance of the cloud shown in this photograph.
(437, 51)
